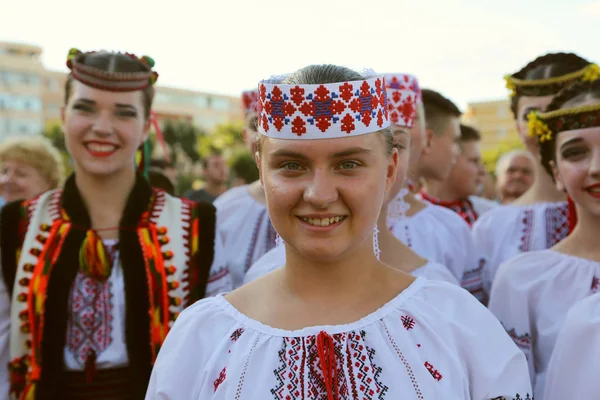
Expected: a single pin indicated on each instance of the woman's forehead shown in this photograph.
(83, 91)
(321, 147)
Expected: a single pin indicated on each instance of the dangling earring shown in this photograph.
(278, 240)
(376, 249)
(398, 207)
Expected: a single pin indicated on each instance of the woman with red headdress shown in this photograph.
(94, 274)
(403, 102)
(335, 322)
(533, 292)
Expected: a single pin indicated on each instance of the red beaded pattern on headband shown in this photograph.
(324, 110)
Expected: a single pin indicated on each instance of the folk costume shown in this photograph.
(431, 341)
(243, 222)
(509, 230)
(451, 246)
(85, 317)
(533, 292)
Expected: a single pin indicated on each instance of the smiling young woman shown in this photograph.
(539, 218)
(534, 291)
(94, 274)
(334, 322)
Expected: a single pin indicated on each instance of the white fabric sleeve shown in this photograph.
(573, 369)
(509, 302)
(180, 370)
(219, 278)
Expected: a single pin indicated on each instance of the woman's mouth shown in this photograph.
(97, 149)
(327, 221)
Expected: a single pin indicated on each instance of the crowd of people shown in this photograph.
(361, 251)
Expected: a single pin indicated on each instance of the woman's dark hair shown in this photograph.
(567, 98)
(114, 62)
(547, 66)
(160, 181)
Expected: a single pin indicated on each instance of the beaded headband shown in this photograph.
(111, 81)
(322, 111)
(250, 101)
(545, 125)
(403, 94)
(550, 86)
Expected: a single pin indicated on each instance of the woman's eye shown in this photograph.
(128, 114)
(349, 165)
(82, 107)
(291, 166)
(571, 154)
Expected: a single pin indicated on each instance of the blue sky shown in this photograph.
(461, 48)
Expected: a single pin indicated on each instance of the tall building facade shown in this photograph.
(494, 120)
(31, 96)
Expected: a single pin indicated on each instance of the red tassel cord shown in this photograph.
(90, 366)
(327, 358)
(159, 135)
(572, 214)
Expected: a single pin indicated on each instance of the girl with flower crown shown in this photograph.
(334, 322)
(533, 292)
(94, 274)
(539, 218)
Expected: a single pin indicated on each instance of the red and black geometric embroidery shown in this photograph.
(434, 372)
(595, 287)
(236, 334)
(363, 379)
(557, 224)
(220, 379)
(407, 322)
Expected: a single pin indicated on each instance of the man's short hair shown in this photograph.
(469, 134)
(438, 111)
(213, 153)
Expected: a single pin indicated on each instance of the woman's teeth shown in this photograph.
(323, 221)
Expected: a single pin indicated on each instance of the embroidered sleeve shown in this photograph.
(495, 366)
(509, 302)
(219, 278)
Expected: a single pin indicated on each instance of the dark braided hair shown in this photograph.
(566, 98)
(548, 66)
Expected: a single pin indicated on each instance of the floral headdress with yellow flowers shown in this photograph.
(545, 125)
(550, 86)
(110, 80)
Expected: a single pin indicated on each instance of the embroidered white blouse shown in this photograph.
(275, 258)
(245, 229)
(506, 231)
(573, 368)
(531, 297)
(432, 341)
(441, 235)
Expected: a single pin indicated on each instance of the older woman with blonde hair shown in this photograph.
(30, 166)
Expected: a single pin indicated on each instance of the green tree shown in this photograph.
(182, 137)
(53, 131)
(490, 157)
(226, 137)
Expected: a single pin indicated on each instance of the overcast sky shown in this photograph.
(461, 48)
